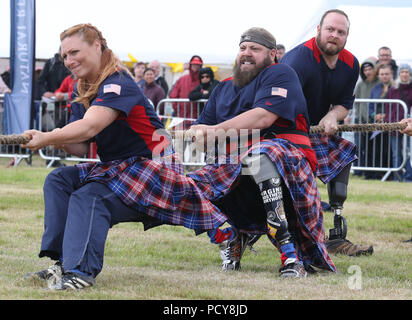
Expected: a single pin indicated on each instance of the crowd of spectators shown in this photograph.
(382, 78)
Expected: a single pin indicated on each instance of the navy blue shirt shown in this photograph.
(276, 89)
(322, 86)
(132, 133)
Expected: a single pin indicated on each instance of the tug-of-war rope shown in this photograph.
(14, 139)
(362, 127)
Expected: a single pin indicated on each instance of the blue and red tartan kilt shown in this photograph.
(221, 182)
(333, 153)
(157, 188)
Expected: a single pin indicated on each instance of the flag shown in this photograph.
(115, 88)
(279, 92)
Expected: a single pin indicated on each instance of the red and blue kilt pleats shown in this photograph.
(307, 228)
(158, 189)
(333, 153)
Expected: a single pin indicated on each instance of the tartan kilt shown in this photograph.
(157, 188)
(333, 153)
(246, 212)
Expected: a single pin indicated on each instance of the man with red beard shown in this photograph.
(272, 188)
(328, 74)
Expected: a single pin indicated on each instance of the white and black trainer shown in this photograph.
(74, 281)
(292, 269)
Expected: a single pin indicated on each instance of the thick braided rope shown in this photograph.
(14, 139)
(362, 127)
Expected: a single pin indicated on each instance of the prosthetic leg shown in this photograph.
(266, 176)
(337, 243)
(337, 192)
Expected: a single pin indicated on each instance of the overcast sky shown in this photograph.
(172, 31)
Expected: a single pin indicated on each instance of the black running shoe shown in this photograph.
(74, 281)
(293, 270)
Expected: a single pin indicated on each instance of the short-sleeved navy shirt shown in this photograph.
(276, 89)
(132, 133)
(322, 86)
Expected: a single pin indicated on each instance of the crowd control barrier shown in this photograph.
(379, 153)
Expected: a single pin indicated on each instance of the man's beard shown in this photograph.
(242, 78)
(328, 51)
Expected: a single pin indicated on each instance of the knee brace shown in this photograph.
(267, 177)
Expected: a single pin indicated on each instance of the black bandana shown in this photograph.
(260, 36)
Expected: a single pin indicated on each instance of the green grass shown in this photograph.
(172, 263)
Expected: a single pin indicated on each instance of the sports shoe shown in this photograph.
(74, 281)
(231, 251)
(343, 246)
(293, 269)
(52, 274)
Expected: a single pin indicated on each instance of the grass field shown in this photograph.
(171, 263)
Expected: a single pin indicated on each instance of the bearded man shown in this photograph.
(328, 74)
(272, 188)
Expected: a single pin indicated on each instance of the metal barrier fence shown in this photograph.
(379, 153)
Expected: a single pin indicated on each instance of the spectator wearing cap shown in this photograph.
(183, 86)
(207, 84)
(205, 88)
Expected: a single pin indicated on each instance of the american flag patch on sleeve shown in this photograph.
(279, 92)
(115, 88)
